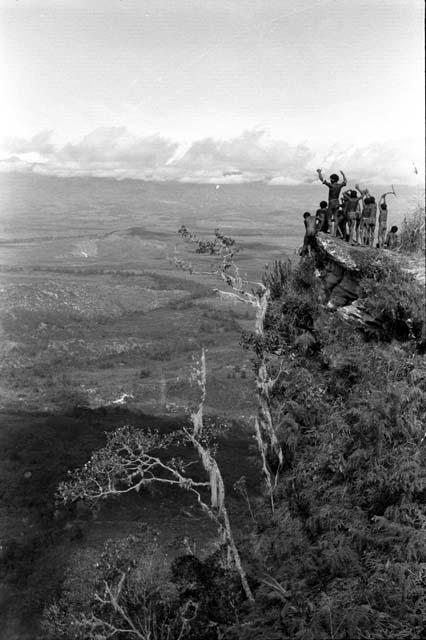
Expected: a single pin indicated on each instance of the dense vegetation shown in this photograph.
(413, 228)
(344, 554)
(347, 546)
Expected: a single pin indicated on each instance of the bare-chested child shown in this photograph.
(310, 233)
(383, 218)
(392, 240)
(341, 230)
(361, 223)
(321, 216)
(353, 213)
(371, 224)
(334, 188)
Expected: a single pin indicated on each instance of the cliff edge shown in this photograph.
(341, 267)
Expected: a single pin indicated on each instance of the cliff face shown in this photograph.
(340, 268)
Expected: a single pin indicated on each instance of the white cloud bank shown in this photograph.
(250, 156)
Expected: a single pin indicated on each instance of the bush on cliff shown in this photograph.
(413, 229)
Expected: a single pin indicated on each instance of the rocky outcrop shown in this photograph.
(338, 271)
(340, 267)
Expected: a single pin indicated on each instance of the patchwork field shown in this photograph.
(88, 339)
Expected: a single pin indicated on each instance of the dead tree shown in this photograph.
(257, 295)
(133, 459)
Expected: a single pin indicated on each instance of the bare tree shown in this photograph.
(133, 459)
(131, 598)
(257, 295)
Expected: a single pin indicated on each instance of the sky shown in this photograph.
(213, 90)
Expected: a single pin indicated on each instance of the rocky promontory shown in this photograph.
(341, 267)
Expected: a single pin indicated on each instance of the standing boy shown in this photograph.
(361, 221)
(310, 233)
(383, 218)
(321, 216)
(353, 212)
(334, 188)
(371, 221)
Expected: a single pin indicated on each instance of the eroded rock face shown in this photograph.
(338, 271)
(340, 287)
(340, 267)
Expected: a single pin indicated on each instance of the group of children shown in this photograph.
(350, 215)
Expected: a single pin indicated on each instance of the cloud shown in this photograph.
(114, 148)
(282, 181)
(106, 151)
(14, 164)
(252, 155)
(40, 143)
(376, 163)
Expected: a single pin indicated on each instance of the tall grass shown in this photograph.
(413, 229)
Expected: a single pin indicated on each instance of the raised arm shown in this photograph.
(363, 192)
(344, 181)
(357, 187)
(319, 172)
(383, 196)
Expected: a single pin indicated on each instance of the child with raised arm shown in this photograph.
(383, 218)
(353, 212)
(334, 188)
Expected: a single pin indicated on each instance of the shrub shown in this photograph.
(396, 302)
(129, 589)
(123, 591)
(413, 229)
(277, 277)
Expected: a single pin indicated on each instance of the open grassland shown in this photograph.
(88, 339)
